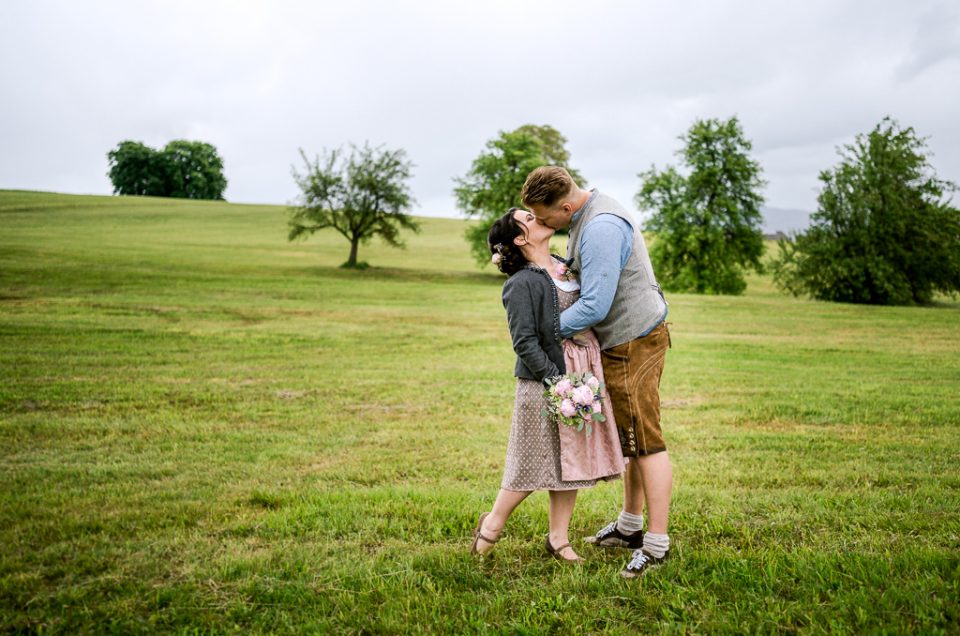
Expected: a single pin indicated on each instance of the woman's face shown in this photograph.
(533, 232)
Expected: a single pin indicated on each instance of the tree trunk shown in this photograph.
(352, 261)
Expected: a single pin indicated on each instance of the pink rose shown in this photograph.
(564, 387)
(568, 408)
(593, 383)
(583, 395)
(595, 407)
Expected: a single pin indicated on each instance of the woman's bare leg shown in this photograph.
(561, 510)
(507, 501)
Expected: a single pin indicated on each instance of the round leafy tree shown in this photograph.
(885, 231)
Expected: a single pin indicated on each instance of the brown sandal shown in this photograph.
(555, 552)
(478, 534)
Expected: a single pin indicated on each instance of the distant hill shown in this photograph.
(784, 220)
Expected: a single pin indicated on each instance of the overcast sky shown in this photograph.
(621, 80)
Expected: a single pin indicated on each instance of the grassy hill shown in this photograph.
(204, 427)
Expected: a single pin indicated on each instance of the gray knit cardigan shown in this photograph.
(533, 316)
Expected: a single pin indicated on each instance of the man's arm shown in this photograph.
(605, 246)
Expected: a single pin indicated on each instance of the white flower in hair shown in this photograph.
(496, 259)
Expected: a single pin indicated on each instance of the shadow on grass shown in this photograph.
(400, 274)
(943, 303)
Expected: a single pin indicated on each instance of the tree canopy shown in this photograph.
(493, 183)
(708, 222)
(138, 169)
(885, 231)
(360, 195)
(196, 170)
(183, 169)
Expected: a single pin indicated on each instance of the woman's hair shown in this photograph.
(506, 255)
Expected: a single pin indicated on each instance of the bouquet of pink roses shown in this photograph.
(575, 400)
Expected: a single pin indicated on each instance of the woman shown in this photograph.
(542, 454)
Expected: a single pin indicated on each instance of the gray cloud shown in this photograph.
(622, 80)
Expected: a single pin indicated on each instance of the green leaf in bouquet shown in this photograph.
(544, 413)
(599, 417)
(580, 426)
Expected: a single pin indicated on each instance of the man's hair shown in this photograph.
(546, 186)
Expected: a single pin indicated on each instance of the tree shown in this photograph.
(136, 169)
(885, 231)
(196, 170)
(708, 223)
(493, 184)
(553, 146)
(360, 196)
(183, 169)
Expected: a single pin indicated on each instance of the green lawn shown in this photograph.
(205, 428)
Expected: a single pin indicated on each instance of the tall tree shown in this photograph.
(553, 145)
(137, 169)
(885, 231)
(493, 183)
(196, 170)
(708, 222)
(360, 195)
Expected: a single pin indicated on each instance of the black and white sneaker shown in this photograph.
(611, 537)
(641, 562)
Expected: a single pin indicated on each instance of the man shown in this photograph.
(621, 300)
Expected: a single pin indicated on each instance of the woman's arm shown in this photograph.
(521, 302)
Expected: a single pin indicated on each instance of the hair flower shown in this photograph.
(496, 259)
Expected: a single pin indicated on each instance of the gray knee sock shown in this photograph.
(656, 544)
(628, 523)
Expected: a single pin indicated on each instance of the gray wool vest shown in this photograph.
(638, 304)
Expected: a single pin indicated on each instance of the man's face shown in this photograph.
(557, 217)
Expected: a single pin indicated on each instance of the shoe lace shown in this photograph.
(606, 532)
(638, 561)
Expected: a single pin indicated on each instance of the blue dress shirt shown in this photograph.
(605, 246)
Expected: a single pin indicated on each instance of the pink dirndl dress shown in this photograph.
(600, 454)
(543, 454)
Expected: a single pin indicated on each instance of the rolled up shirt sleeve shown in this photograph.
(605, 246)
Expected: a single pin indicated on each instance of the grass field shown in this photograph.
(207, 429)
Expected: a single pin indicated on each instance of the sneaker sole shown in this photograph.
(627, 574)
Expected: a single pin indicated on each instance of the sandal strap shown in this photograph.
(478, 531)
(480, 535)
(553, 550)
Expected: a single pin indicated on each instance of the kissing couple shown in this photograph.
(599, 312)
